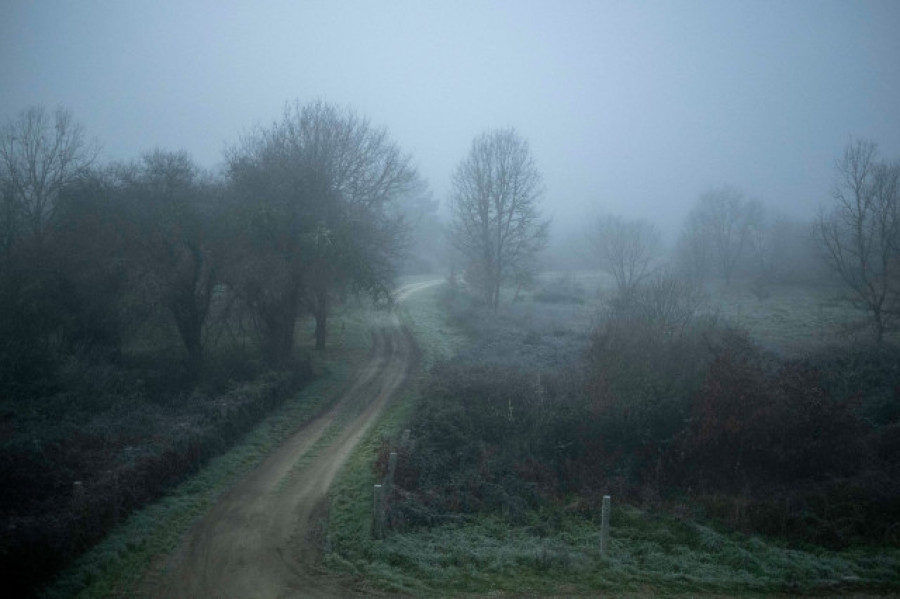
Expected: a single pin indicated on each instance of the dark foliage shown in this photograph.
(136, 298)
(66, 486)
(488, 438)
(665, 408)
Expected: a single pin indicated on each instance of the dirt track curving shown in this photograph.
(255, 542)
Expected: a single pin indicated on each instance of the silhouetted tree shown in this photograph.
(626, 249)
(39, 154)
(717, 232)
(320, 185)
(171, 214)
(497, 225)
(88, 248)
(861, 233)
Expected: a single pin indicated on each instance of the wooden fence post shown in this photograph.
(378, 513)
(604, 526)
(392, 468)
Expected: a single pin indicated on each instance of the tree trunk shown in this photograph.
(190, 328)
(879, 326)
(278, 328)
(321, 316)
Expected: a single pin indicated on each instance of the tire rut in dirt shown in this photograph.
(255, 542)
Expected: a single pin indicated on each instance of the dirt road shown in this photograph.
(254, 543)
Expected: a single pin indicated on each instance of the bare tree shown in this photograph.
(322, 182)
(719, 227)
(174, 251)
(693, 256)
(9, 215)
(496, 222)
(861, 233)
(40, 153)
(626, 249)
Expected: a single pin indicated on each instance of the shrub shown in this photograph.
(649, 352)
(756, 420)
(563, 289)
(488, 438)
(129, 453)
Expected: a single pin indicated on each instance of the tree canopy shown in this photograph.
(497, 225)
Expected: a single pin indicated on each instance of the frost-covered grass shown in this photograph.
(792, 319)
(556, 550)
(558, 553)
(427, 321)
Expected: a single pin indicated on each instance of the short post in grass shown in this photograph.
(604, 526)
(392, 468)
(404, 439)
(378, 513)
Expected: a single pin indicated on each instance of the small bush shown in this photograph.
(561, 290)
(648, 355)
(751, 425)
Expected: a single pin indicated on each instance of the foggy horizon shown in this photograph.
(399, 297)
(629, 108)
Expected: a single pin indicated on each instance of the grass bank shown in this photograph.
(558, 553)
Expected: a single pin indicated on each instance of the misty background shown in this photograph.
(199, 199)
(632, 108)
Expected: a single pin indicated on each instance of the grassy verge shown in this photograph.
(132, 552)
(556, 553)
(349, 547)
(427, 321)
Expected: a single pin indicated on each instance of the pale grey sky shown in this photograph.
(630, 107)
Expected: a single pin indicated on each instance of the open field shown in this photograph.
(790, 319)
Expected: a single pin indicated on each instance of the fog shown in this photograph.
(333, 297)
(629, 108)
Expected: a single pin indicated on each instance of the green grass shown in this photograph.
(117, 565)
(425, 319)
(558, 553)
(793, 319)
(348, 537)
